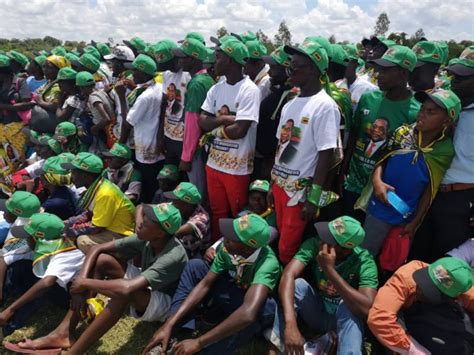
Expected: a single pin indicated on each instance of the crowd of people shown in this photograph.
(315, 197)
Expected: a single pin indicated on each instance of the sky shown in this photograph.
(153, 20)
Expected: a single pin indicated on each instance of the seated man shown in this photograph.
(56, 260)
(121, 171)
(108, 213)
(343, 287)
(168, 179)
(241, 279)
(425, 290)
(146, 290)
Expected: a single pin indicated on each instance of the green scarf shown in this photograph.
(45, 249)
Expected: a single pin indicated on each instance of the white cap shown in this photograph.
(121, 53)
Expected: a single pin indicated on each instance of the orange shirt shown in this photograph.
(398, 294)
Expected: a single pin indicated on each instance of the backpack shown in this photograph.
(442, 329)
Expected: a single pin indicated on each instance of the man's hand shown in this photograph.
(410, 229)
(226, 120)
(120, 88)
(381, 189)
(78, 302)
(308, 212)
(326, 257)
(185, 166)
(185, 347)
(294, 341)
(210, 254)
(5, 316)
(161, 337)
(78, 285)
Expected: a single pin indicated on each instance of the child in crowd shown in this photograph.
(168, 179)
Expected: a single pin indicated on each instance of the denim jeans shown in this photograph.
(229, 297)
(309, 306)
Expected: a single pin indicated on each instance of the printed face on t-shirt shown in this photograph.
(286, 131)
(225, 111)
(379, 129)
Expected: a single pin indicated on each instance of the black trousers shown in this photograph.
(149, 181)
(349, 198)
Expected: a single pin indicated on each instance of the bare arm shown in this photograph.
(110, 288)
(238, 129)
(207, 122)
(91, 257)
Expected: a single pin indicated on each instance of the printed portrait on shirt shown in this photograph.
(290, 137)
(376, 136)
(225, 111)
(173, 98)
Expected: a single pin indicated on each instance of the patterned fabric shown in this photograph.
(12, 152)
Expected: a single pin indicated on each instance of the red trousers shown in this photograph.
(290, 225)
(228, 195)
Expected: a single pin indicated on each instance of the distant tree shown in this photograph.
(283, 36)
(262, 37)
(399, 37)
(221, 32)
(332, 39)
(419, 34)
(382, 25)
(51, 41)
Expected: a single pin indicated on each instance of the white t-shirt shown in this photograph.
(234, 156)
(262, 80)
(174, 86)
(358, 87)
(314, 122)
(144, 116)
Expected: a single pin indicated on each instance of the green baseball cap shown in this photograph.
(447, 276)
(260, 185)
(72, 57)
(52, 165)
(142, 63)
(169, 171)
(4, 61)
(314, 51)
(65, 129)
(36, 137)
(103, 48)
(40, 59)
(66, 73)
(323, 41)
(251, 229)
(87, 162)
(400, 56)
(245, 36)
(352, 51)
(136, 43)
(92, 50)
(186, 192)
(66, 157)
(166, 215)
(278, 56)
(428, 52)
(84, 78)
(162, 51)
(344, 231)
(191, 48)
(236, 50)
(54, 145)
(194, 35)
(464, 66)
(90, 62)
(119, 150)
(339, 55)
(59, 51)
(444, 50)
(256, 49)
(218, 41)
(40, 226)
(445, 99)
(21, 204)
(19, 58)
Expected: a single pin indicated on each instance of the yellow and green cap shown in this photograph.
(191, 48)
(245, 36)
(4, 61)
(397, 55)
(93, 51)
(65, 129)
(59, 50)
(186, 192)
(339, 55)
(142, 63)
(66, 73)
(428, 52)
(194, 35)
(66, 157)
(314, 51)
(18, 57)
(260, 185)
(352, 51)
(166, 215)
(52, 165)
(162, 51)
(344, 231)
(103, 49)
(445, 99)
(119, 150)
(323, 41)
(87, 162)
(59, 61)
(448, 276)
(84, 78)
(72, 57)
(251, 230)
(235, 49)
(40, 226)
(278, 56)
(136, 43)
(40, 59)
(21, 204)
(464, 65)
(54, 145)
(256, 49)
(218, 41)
(90, 62)
(169, 171)
(444, 50)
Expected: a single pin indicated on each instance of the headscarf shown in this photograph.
(58, 179)
(59, 61)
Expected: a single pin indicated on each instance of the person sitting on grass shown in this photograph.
(147, 290)
(241, 279)
(168, 179)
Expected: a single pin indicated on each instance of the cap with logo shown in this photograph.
(4, 61)
(142, 63)
(169, 171)
(90, 62)
(103, 49)
(235, 49)
(245, 36)
(218, 41)
(54, 145)
(323, 41)
(278, 56)
(119, 150)
(66, 73)
(447, 276)
(400, 56)
(21, 204)
(314, 51)
(65, 129)
(445, 99)
(72, 57)
(162, 51)
(52, 165)
(40, 59)
(93, 51)
(19, 58)
(352, 51)
(339, 55)
(194, 35)
(58, 61)
(444, 50)
(186, 192)
(166, 215)
(123, 53)
(251, 230)
(66, 157)
(87, 162)
(36, 137)
(428, 52)
(136, 43)
(256, 49)
(260, 185)
(464, 65)
(191, 48)
(40, 226)
(59, 51)
(344, 231)
(84, 78)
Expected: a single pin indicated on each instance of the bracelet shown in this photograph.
(314, 193)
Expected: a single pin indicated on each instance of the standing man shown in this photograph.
(256, 68)
(230, 114)
(429, 58)
(308, 134)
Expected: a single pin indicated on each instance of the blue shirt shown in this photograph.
(34, 84)
(62, 203)
(409, 180)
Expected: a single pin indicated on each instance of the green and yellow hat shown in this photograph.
(169, 171)
(142, 63)
(245, 36)
(21, 204)
(186, 192)
(339, 55)
(119, 150)
(256, 49)
(464, 65)
(66, 73)
(54, 145)
(4, 61)
(278, 56)
(194, 35)
(344, 231)
(428, 52)
(136, 43)
(92, 50)
(445, 99)
(323, 41)
(235, 49)
(103, 48)
(87, 162)
(352, 51)
(447, 276)
(40, 59)
(59, 51)
(191, 48)
(40, 226)
(52, 165)
(66, 157)
(314, 51)
(84, 78)
(19, 58)
(260, 185)
(251, 229)
(218, 41)
(90, 62)
(400, 56)
(162, 51)
(59, 61)
(166, 215)
(72, 57)
(65, 129)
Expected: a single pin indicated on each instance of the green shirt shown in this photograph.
(358, 270)
(265, 271)
(162, 271)
(196, 92)
(375, 119)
